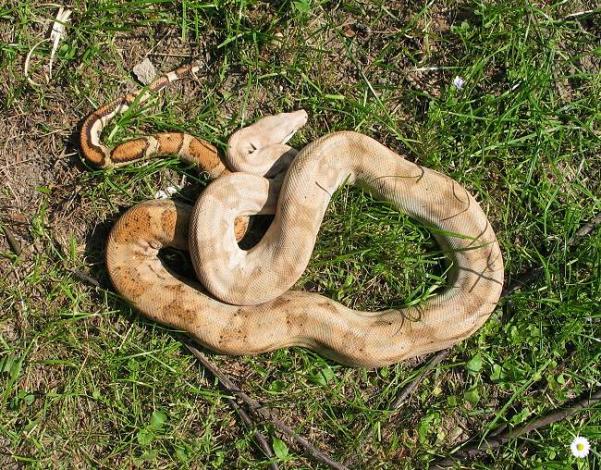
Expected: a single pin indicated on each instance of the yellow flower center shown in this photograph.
(580, 446)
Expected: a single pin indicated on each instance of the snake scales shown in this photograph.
(250, 308)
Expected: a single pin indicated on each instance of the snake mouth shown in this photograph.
(290, 135)
(300, 123)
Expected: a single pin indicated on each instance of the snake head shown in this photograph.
(267, 131)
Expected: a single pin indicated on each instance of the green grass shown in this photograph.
(85, 381)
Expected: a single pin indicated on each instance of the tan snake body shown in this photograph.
(246, 278)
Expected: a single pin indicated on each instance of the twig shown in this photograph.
(581, 13)
(264, 414)
(586, 229)
(263, 444)
(230, 387)
(533, 274)
(408, 389)
(589, 398)
(85, 278)
(14, 244)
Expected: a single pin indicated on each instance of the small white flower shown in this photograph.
(580, 447)
(167, 193)
(458, 82)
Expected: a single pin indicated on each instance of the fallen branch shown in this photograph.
(589, 398)
(533, 274)
(14, 244)
(85, 278)
(264, 414)
(408, 389)
(404, 394)
(261, 441)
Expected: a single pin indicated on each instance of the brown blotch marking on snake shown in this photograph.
(94, 153)
(204, 153)
(159, 84)
(240, 228)
(170, 142)
(349, 337)
(231, 336)
(176, 313)
(159, 271)
(176, 309)
(383, 323)
(283, 305)
(177, 290)
(328, 306)
(297, 316)
(131, 225)
(130, 150)
(182, 71)
(279, 303)
(168, 222)
(129, 280)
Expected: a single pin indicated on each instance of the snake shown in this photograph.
(241, 302)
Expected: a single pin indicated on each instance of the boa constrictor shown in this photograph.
(248, 308)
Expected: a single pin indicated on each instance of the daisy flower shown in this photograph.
(580, 447)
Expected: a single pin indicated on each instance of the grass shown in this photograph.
(88, 382)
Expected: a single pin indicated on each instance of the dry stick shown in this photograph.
(15, 246)
(263, 413)
(533, 274)
(405, 393)
(408, 389)
(589, 398)
(581, 13)
(85, 278)
(247, 420)
(257, 434)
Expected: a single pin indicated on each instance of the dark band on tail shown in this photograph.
(189, 148)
